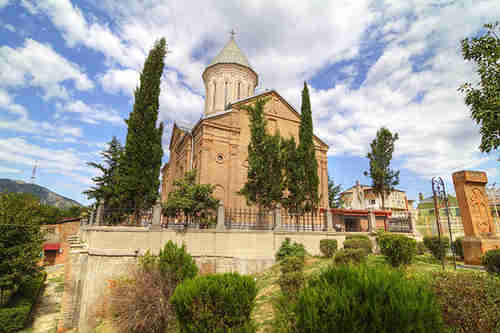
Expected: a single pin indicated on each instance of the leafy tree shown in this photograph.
(384, 179)
(20, 241)
(484, 99)
(264, 185)
(293, 180)
(307, 154)
(141, 162)
(192, 200)
(334, 199)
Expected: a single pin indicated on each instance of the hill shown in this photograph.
(46, 196)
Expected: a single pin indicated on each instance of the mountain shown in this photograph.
(46, 196)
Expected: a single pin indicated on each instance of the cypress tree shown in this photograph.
(307, 155)
(141, 163)
(294, 179)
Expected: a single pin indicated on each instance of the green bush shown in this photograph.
(16, 314)
(291, 279)
(215, 303)
(328, 247)
(421, 248)
(437, 249)
(469, 300)
(357, 237)
(458, 247)
(491, 260)
(358, 243)
(346, 256)
(399, 249)
(366, 299)
(288, 249)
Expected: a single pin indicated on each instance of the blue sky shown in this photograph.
(68, 70)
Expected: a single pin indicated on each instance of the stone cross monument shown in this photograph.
(479, 229)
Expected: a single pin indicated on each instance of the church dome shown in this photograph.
(231, 54)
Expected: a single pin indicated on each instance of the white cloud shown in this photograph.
(38, 65)
(96, 114)
(3, 3)
(116, 81)
(9, 27)
(9, 170)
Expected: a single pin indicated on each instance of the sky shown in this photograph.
(68, 69)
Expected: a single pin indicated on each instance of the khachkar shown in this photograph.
(479, 229)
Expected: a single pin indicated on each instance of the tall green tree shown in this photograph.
(334, 199)
(384, 179)
(20, 241)
(141, 162)
(307, 154)
(106, 188)
(483, 99)
(264, 185)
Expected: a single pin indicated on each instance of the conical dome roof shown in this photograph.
(231, 54)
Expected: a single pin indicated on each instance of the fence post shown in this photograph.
(277, 216)
(220, 217)
(156, 221)
(328, 221)
(372, 221)
(100, 211)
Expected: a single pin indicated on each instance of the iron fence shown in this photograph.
(312, 221)
(249, 219)
(125, 216)
(206, 220)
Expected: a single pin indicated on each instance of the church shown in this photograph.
(217, 145)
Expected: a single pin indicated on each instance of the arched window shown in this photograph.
(226, 102)
(215, 93)
(239, 90)
(248, 90)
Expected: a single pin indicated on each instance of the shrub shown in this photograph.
(291, 279)
(357, 237)
(469, 300)
(16, 314)
(328, 247)
(346, 256)
(491, 260)
(421, 249)
(288, 249)
(399, 249)
(458, 247)
(358, 243)
(215, 303)
(366, 299)
(141, 303)
(437, 249)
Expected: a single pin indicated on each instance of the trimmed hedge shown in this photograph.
(357, 237)
(469, 300)
(358, 243)
(328, 247)
(215, 303)
(15, 315)
(458, 248)
(438, 251)
(348, 256)
(288, 248)
(398, 249)
(491, 260)
(291, 279)
(421, 248)
(366, 299)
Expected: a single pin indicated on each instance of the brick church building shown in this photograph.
(216, 146)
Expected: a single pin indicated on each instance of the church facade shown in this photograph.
(217, 145)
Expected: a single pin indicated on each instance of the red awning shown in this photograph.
(51, 247)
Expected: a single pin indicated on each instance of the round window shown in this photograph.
(220, 158)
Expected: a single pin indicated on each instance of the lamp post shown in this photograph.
(492, 194)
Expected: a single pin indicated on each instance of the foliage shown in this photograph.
(438, 249)
(366, 299)
(491, 260)
(293, 180)
(106, 188)
(215, 303)
(469, 300)
(142, 303)
(15, 315)
(484, 98)
(264, 185)
(399, 250)
(458, 247)
(193, 200)
(384, 179)
(307, 154)
(365, 237)
(334, 199)
(288, 249)
(20, 241)
(291, 279)
(358, 243)
(328, 247)
(421, 248)
(141, 161)
(350, 256)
